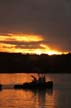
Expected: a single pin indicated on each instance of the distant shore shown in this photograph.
(26, 63)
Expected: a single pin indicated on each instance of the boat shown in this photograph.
(39, 84)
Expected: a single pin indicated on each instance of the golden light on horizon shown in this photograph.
(24, 43)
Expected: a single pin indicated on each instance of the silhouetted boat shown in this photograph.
(35, 84)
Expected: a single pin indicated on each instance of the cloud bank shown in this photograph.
(49, 18)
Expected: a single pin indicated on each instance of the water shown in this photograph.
(60, 97)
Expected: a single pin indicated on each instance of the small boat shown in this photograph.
(35, 84)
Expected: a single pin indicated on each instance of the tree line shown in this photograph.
(27, 63)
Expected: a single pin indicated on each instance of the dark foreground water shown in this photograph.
(60, 97)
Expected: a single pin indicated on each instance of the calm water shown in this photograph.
(60, 97)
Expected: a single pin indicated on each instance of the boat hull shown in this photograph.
(36, 86)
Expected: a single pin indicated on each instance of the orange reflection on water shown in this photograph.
(25, 99)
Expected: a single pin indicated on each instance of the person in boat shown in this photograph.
(41, 79)
(34, 79)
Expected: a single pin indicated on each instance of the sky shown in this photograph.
(35, 26)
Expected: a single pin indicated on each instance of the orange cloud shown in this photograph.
(28, 38)
(22, 37)
(7, 47)
(24, 43)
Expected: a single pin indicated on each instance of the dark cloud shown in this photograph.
(14, 42)
(51, 18)
(30, 46)
(20, 43)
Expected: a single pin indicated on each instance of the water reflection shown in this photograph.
(18, 78)
(41, 97)
(59, 97)
(10, 98)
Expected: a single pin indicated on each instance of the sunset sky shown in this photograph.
(35, 26)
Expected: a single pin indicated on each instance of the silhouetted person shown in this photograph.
(34, 79)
